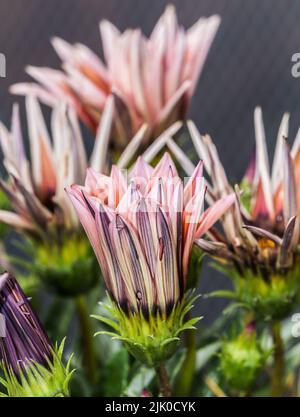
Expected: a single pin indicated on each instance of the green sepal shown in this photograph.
(242, 358)
(151, 340)
(38, 380)
(66, 266)
(274, 298)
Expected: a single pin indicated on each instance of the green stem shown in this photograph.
(184, 379)
(86, 336)
(163, 381)
(277, 387)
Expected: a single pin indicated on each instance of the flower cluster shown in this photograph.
(124, 207)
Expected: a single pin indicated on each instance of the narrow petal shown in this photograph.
(99, 155)
(194, 183)
(176, 101)
(289, 242)
(191, 217)
(263, 233)
(15, 220)
(181, 157)
(132, 147)
(43, 167)
(283, 132)
(214, 213)
(290, 206)
(262, 161)
(199, 145)
(166, 274)
(160, 142)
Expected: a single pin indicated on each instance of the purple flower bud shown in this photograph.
(25, 340)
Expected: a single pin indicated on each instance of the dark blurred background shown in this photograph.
(249, 64)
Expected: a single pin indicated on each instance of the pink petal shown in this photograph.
(212, 214)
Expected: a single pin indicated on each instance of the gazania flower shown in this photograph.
(261, 234)
(152, 79)
(32, 366)
(142, 234)
(35, 189)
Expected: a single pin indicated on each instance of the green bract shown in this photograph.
(69, 267)
(38, 380)
(268, 299)
(151, 340)
(241, 360)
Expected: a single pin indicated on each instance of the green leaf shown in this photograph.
(116, 374)
(140, 381)
(222, 293)
(234, 306)
(108, 321)
(205, 354)
(58, 317)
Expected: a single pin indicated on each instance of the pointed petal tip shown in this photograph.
(3, 279)
(56, 40)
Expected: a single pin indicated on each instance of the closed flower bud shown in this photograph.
(242, 359)
(32, 367)
(142, 234)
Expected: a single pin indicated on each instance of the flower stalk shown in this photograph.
(277, 379)
(163, 381)
(87, 339)
(185, 376)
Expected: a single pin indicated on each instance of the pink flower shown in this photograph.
(142, 232)
(152, 79)
(35, 187)
(261, 231)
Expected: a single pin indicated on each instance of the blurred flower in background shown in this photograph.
(39, 206)
(40, 210)
(152, 79)
(32, 366)
(261, 235)
(243, 357)
(36, 188)
(259, 246)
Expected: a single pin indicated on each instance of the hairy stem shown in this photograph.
(163, 381)
(86, 337)
(277, 387)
